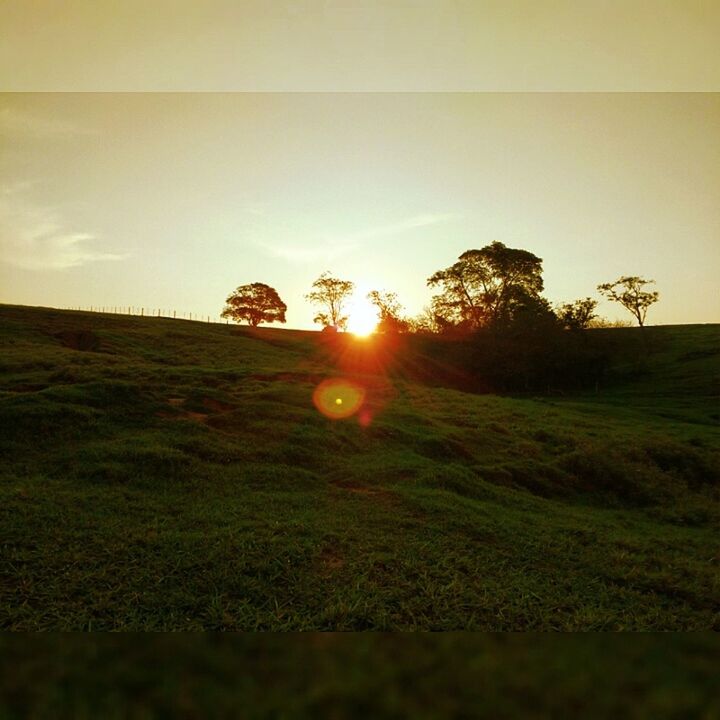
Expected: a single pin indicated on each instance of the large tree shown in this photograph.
(255, 303)
(485, 286)
(628, 291)
(330, 294)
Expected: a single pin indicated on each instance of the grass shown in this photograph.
(178, 477)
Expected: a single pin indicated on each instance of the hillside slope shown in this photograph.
(162, 474)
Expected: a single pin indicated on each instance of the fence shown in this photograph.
(149, 312)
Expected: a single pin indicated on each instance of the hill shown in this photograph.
(163, 474)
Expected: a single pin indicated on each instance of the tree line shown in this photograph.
(495, 287)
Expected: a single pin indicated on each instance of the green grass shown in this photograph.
(178, 477)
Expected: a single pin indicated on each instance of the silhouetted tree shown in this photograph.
(330, 293)
(533, 352)
(485, 286)
(389, 312)
(256, 303)
(425, 323)
(628, 291)
(577, 315)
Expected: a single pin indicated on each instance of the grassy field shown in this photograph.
(174, 475)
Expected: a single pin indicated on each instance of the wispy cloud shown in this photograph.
(336, 246)
(16, 122)
(402, 226)
(33, 237)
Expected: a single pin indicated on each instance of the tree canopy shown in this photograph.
(485, 286)
(495, 288)
(255, 303)
(330, 294)
(628, 291)
(577, 315)
(389, 312)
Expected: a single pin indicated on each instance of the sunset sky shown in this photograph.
(360, 45)
(170, 201)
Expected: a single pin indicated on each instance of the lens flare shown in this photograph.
(337, 398)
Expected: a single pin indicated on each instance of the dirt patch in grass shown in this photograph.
(331, 561)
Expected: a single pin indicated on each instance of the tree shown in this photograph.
(330, 293)
(389, 312)
(485, 286)
(425, 323)
(256, 303)
(628, 291)
(577, 315)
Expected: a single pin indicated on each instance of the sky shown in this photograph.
(360, 45)
(305, 148)
(170, 201)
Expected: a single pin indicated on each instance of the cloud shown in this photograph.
(334, 247)
(15, 122)
(33, 237)
(416, 221)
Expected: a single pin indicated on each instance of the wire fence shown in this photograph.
(149, 312)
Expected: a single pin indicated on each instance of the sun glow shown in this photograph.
(362, 316)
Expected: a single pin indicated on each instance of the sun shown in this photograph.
(362, 316)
